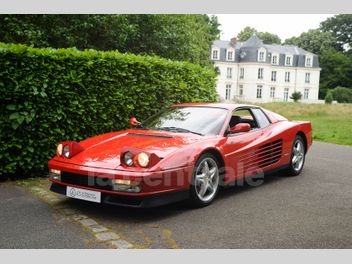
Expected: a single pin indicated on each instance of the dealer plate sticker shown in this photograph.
(82, 194)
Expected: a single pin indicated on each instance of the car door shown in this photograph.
(238, 146)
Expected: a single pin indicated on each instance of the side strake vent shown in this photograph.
(147, 135)
(264, 156)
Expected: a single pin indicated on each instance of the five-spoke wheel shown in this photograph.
(297, 157)
(205, 182)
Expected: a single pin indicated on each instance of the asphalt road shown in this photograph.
(28, 222)
(312, 210)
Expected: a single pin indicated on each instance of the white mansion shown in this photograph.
(255, 72)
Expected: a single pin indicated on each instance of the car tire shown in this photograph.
(298, 155)
(205, 181)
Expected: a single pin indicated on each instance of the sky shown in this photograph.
(284, 25)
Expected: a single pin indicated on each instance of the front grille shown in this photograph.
(86, 181)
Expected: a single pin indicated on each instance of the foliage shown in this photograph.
(341, 27)
(329, 97)
(296, 96)
(332, 42)
(268, 38)
(177, 37)
(50, 95)
(314, 41)
(336, 71)
(342, 94)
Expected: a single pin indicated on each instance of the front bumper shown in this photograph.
(156, 187)
(133, 201)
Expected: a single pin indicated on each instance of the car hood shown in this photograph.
(104, 151)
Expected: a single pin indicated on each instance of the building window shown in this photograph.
(215, 54)
(306, 93)
(273, 76)
(307, 77)
(308, 62)
(259, 91)
(272, 92)
(229, 73)
(241, 73)
(241, 90)
(228, 92)
(230, 55)
(261, 56)
(288, 60)
(286, 90)
(287, 76)
(274, 60)
(260, 73)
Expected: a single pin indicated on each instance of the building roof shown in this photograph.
(250, 48)
(253, 41)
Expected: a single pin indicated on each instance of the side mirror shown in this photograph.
(134, 122)
(240, 127)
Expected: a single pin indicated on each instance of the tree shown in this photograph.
(177, 37)
(268, 38)
(296, 96)
(314, 41)
(341, 27)
(336, 71)
(180, 37)
(63, 31)
(329, 97)
(342, 94)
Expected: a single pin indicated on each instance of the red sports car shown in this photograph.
(186, 151)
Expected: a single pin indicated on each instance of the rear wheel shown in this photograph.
(205, 181)
(297, 157)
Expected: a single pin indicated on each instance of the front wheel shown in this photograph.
(297, 157)
(205, 181)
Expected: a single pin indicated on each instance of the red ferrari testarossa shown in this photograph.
(186, 151)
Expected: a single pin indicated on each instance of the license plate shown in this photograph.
(83, 194)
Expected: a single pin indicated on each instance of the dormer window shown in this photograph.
(261, 54)
(275, 59)
(230, 55)
(288, 60)
(309, 60)
(215, 54)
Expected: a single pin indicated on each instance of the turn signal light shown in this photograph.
(126, 185)
(55, 174)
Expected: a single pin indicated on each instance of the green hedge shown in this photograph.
(50, 95)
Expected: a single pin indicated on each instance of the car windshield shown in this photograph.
(188, 119)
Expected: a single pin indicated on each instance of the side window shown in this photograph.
(261, 118)
(243, 116)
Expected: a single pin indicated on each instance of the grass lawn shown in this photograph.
(331, 123)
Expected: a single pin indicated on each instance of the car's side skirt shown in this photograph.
(265, 172)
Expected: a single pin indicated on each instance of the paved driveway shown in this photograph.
(313, 210)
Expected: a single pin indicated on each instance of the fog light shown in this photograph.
(125, 186)
(55, 174)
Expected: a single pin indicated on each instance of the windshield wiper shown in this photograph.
(179, 129)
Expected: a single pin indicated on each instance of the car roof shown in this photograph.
(228, 106)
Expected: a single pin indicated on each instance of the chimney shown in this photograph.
(233, 41)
